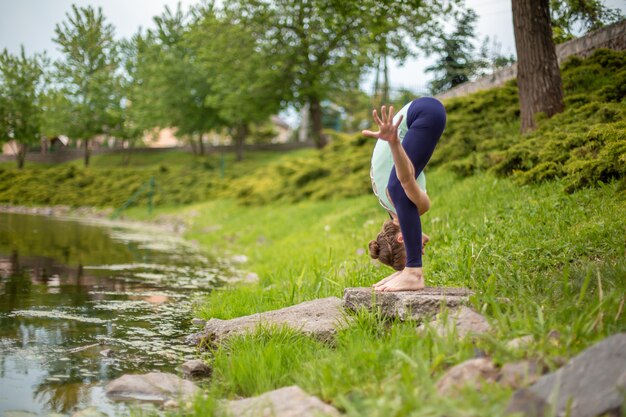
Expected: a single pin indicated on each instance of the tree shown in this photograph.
(490, 57)
(244, 88)
(137, 115)
(571, 16)
(538, 75)
(168, 87)
(88, 74)
(456, 63)
(458, 60)
(321, 46)
(21, 86)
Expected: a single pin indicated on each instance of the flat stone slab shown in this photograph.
(461, 320)
(318, 318)
(590, 384)
(283, 402)
(405, 304)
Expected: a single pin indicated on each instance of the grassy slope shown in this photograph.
(584, 145)
(557, 257)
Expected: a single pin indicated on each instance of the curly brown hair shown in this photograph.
(386, 247)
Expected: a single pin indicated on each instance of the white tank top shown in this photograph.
(382, 164)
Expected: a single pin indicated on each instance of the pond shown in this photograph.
(70, 290)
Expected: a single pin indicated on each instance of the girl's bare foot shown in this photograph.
(385, 280)
(410, 279)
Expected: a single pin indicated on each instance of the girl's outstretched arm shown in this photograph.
(388, 131)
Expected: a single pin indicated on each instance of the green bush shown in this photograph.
(583, 145)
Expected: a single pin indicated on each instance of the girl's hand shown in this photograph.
(387, 130)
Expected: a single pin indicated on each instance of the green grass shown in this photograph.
(558, 258)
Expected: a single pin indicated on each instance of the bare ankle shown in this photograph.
(414, 271)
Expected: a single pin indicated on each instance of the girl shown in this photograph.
(405, 144)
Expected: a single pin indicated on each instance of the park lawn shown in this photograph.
(558, 258)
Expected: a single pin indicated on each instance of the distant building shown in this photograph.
(47, 145)
(166, 138)
(284, 130)
(163, 138)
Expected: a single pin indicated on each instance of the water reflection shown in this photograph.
(70, 290)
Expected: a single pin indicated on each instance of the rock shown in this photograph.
(198, 322)
(170, 404)
(196, 368)
(520, 342)
(154, 386)
(283, 402)
(89, 412)
(589, 385)
(319, 318)
(461, 320)
(527, 403)
(519, 374)
(107, 353)
(472, 372)
(404, 304)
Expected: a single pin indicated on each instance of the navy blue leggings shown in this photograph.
(425, 120)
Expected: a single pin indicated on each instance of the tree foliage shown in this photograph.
(575, 16)
(458, 60)
(88, 75)
(244, 87)
(168, 87)
(321, 46)
(21, 86)
(456, 63)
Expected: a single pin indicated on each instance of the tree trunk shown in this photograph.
(201, 145)
(538, 75)
(315, 110)
(127, 154)
(375, 94)
(87, 152)
(240, 136)
(385, 98)
(21, 155)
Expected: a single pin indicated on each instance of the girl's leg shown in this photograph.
(426, 120)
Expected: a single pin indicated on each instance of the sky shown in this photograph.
(31, 23)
